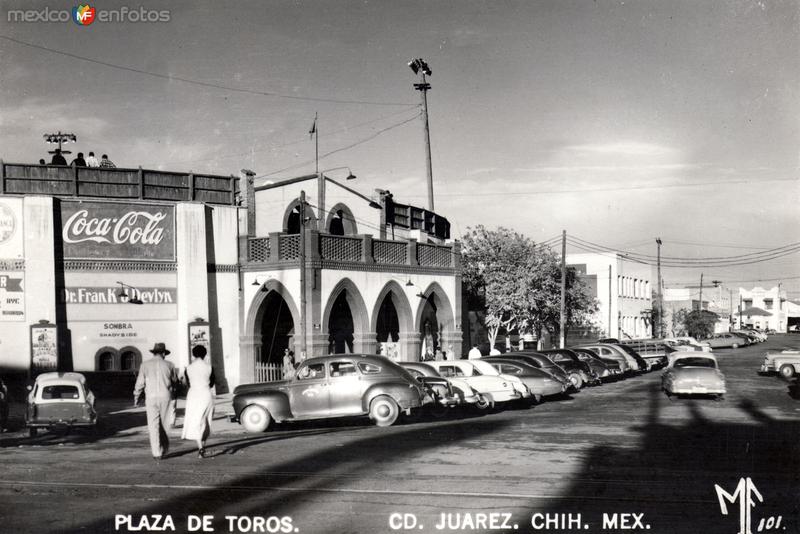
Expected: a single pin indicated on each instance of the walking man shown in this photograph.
(157, 378)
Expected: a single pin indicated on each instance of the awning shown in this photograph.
(755, 312)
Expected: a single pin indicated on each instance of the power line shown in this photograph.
(199, 82)
(303, 140)
(362, 141)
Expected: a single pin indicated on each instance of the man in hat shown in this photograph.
(157, 378)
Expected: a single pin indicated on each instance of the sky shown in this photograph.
(617, 121)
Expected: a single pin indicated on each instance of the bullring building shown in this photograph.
(97, 265)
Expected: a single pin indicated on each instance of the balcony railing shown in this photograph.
(280, 248)
(140, 184)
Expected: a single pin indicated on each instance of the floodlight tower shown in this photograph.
(60, 138)
(419, 66)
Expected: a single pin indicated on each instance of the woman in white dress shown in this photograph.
(199, 400)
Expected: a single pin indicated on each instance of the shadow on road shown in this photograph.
(670, 474)
(251, 494)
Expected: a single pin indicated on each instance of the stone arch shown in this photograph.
(406, 335)
(291, 217)
(348, 221)
(132, 353)
(361, 333)
(435, 297)
(250, 343)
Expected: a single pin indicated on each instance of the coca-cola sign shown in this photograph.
(111, 230)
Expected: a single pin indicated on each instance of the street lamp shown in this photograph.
(350, 175)
(419, 66)
(60, 138)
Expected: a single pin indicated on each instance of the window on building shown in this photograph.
(747, 303)
(130, 359)
(106, 362)
(767, 304)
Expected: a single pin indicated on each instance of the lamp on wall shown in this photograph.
(122, 294)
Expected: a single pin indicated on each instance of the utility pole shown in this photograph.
(730, 303)
(739, 324)
(303, 347)
(563, 318)
(660, 304)
(419, 66)
(609, 301)
(701, 294)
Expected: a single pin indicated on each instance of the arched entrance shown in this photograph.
(346, 322)
(277, 330)
(340, 326)
(269, 330)
(341, 221)
(393, 323)
(435, 324)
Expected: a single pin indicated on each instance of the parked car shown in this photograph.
(484, 378)
(654, 352)
(605, 369)
(59, 400)
(785, 362)
(751, 335)
(537, 359)
(641, 363)
(579, 372)
(692, 373)
(626, 362)
(446, 391)
(726, 340)
(331, 386)
(541, 383)
(688, 343)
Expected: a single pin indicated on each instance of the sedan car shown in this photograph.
(726, 340)
(607, 351)
(785, 362)
(692, 373)
(537, 359)
(331, 386)
(605, 369)
(59, 400)
(580, 373)
(446, 391)
(484, 378)
(541, 383)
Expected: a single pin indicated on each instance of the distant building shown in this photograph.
(623, 290)
(762, 309)
(715, 299)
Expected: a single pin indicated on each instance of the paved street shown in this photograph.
(619, 448)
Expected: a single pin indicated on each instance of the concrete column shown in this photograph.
(410, 346)
(364, 342)
(318, 345)
(192, 273)
(248, 347)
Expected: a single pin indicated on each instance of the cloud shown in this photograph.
(622, 148)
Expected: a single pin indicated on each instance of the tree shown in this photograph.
(494, 262)
(519, 284)
(696, 323)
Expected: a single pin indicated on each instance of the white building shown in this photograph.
(715, 299)
(623, 290)
(753, 305)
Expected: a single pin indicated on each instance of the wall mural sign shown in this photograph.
(12, 296)
(111, 295)
(44, 347)
(117, 231)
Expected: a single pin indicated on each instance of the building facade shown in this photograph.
(623, 291)
(762, 309)
(97, 265)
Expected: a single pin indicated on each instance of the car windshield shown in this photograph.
(695, 362)
(484, 368)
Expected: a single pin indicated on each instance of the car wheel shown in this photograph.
(255, 419)
(576, 380)
(383, 410)
(485, 402)
(786, 371)
(32, 432)
(536, 399)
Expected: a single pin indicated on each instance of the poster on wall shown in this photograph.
(199, 334)
(44, 347)
(117, 231)
(11, 234)
(12, 296)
